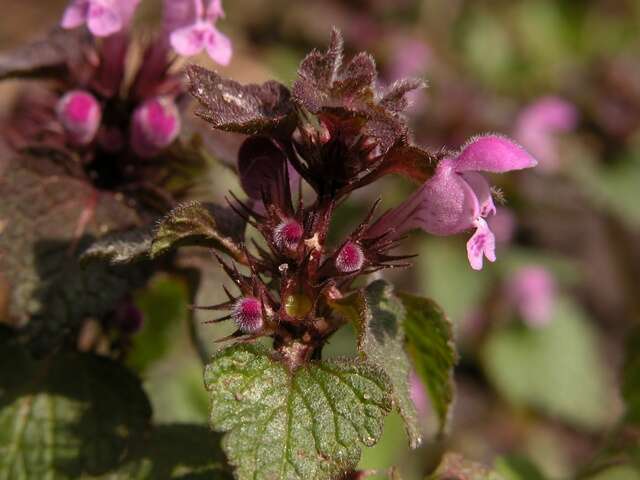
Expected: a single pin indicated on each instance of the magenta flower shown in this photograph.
(155, 125)
(532, 291)
(103, 17)
(191, 27)
(79, 113)
(458, 198)
(247, 313)
(539, 123)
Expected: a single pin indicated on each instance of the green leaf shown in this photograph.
(556, 369)
(515, 467)
(176, 452)
(67, 415)
(378, 316)
(631, 378)
(120, 247)
(303, 424)
(196, 224)
(455, 467)
(430, 345)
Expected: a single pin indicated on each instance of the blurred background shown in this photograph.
(542, 332)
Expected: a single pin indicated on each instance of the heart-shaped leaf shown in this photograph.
(304, 424)
(430, 344)
(379, 317)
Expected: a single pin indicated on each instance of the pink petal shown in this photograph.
(189, 40)
(448, 203)
(104, 19)
(218, 47)
(214, 10)
(481, 244)
(75, 14)
(481, 188)
(493, 153)
(181, 13)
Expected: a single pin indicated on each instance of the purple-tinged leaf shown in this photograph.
(233, 107)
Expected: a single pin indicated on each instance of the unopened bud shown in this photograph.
(350, 258)
(288, 234)
(155, 125)
(247, 313)
(79, 113)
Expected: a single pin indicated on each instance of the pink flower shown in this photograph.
(103, 17)
(537, 125)
(532, 291)
(457, 197)
(79, 113)
(191, 27)
(155, 125)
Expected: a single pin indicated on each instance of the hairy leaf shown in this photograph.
(47, 218)
(395, 99)
(303, 424)
(430, 344)
(379, 317)
(44, 57)
(200, 224)
(455, 467)
(233, 107)
(66, 415)
(121, 247)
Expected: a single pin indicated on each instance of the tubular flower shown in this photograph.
(191, 28)
(458, 198)
(103, 17)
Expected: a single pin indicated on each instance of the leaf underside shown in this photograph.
(306, 424)
(430, 344)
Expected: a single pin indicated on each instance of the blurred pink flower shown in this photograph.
(503, 225)
(103, 17)
(532, 291)
(418, 394)
(191, 28)
(537, 125)
(458, 198)
(155, 125)
(79, 113)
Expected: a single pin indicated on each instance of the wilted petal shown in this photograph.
(189, 40)
(218, 46)
(481, 188)
(75, 14)
(481, 244)
(104, 19)
(493, 153)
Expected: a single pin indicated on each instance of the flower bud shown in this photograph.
(247, 313)
(155, 125)
(288, 234)
(79, 113)
(350, 258)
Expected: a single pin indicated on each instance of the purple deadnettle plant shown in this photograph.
(305, 150)
(286, 411)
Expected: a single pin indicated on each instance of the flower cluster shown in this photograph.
(334, 132)
(117, 125)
